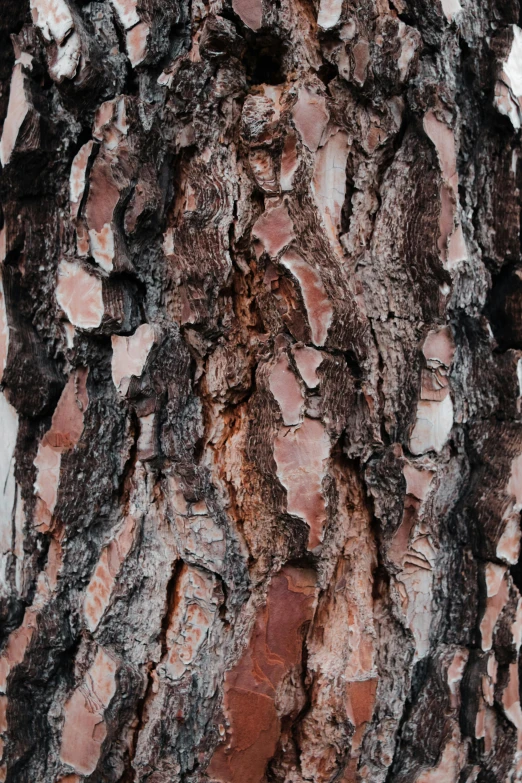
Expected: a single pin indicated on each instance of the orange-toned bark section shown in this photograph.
(251, 686)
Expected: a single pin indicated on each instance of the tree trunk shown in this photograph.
(261, 346)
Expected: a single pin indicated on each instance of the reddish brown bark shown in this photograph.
(260, 356)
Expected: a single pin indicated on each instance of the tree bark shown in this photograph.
(261, 357)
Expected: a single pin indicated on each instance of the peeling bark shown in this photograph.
(261, 381)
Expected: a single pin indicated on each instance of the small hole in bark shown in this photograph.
(132, 85)
(84, 136)
(504, 308)
(516, 574)
(419, 677)
(120, 33)
(264, 61)
(223, 608)
(180, 39)
(353, 364)
(305, 560)
(11, 616)
(347, 210)
(326, 73)
(406, 18)
(199, 449)
(170, 602)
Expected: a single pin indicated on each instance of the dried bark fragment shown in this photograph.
(84, 728)
(79, 294)
(64, 434)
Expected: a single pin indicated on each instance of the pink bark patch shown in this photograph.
(103, 197)
(443, 140)
(440, 346)
(435, 408)
(451, 8)
(8, 484)
(136, 40)
(110, 122)
(3, 715)
(251, 685)
(190, 624)
(4, 331)
(514, 487)
(451, 242)
(329, 183)
(17, 109)
(497, 596)
(433, 425)
(53, 17)
(417, 481)
(310, 117)
(16, 646)
(401, 538)
(79, 294)
(64, 61)
(329, 13)
(64, 434)
(262, 166)
(511, 701)
(360, 701)
(508, 545)
(126, 10)
(19, 640)
(516, 627)
(129, 355)
(199, 508)
(287, 391)
(455, 674)
(361, 55)
(457, 249)
(67, 421)
(289, 162)
(49, 579)
(99, 590)
(318, 306)
(47, 463)
(77, 177)
(413, 553)
(250, 12)
(84, 729)
(451, 761)
(301, 456)
(104, 115)
(409, 45)
(308, 361)
(82, 240)
(101, 244)
(446, 219)
(147, 439)
(275, 229)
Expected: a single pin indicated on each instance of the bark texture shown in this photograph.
(261, 356)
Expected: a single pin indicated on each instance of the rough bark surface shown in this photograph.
(261, 357)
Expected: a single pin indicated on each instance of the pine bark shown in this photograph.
(261, 368)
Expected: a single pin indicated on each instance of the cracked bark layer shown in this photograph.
(260, 348)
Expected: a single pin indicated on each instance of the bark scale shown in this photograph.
(260, 346)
